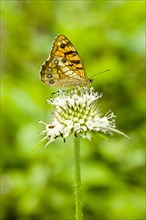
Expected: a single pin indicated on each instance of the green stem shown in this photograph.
(78, 196)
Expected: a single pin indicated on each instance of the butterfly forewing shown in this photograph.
(64, 67)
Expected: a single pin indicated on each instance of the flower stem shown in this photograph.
(78, 196)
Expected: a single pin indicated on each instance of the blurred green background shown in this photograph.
(39, 184)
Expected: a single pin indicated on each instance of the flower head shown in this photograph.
(76, 111)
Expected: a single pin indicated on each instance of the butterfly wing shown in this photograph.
(64, 67)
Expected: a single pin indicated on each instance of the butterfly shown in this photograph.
(64, 67)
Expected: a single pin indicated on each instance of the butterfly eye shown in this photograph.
(56, 61)
(63, 60)
(49, 75)
(62, 45)
(51, 81)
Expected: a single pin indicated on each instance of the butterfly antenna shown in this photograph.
(99, 73)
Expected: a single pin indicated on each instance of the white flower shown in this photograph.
(76, 111)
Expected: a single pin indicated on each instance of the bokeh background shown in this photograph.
(39, 184)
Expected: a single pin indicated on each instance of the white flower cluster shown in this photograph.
(76, 112)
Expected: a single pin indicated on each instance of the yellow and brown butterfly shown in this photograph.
(64, 67)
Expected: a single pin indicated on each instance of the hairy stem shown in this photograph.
(78, 196)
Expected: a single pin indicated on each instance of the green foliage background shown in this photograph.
(39, 184)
